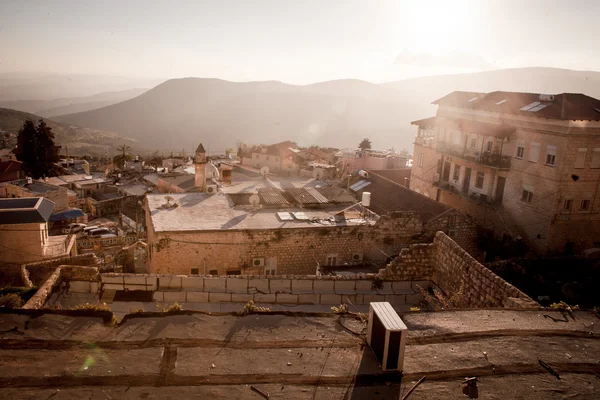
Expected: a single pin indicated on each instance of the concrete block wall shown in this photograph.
(291, 290)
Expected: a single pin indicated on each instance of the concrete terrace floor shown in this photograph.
(297, 356)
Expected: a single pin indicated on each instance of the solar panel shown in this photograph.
(284, 216)
(501, 102)
(538, 108)
(359, 185)
(531, 105)
(473, 99)
(300, 216)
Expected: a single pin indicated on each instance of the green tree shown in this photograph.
(365, 144)
(37, 150)
(125, 155)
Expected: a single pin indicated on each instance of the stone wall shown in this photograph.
(39, 272)
(413, 263)
(40, 297)
(455, 270)
(325, 290)
(288, 251)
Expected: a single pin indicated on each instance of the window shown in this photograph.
(195, 271)
(585, 205)
(456, 175)
(479, 180)
(234, 272)
(451, 221)
(457, 138)
(550, 155)
(331, 260)
(526, 196)
(473, 143)
(580, 160)
(213, 272)
(596, 158)
(520, 150)
(489, 145)
(534, 152)
(420, 160)
(567, 204)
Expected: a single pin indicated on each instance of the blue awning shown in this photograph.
(68, 214)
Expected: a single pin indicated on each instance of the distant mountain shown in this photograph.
(180, 113)
(80, 141)
(36, 86)
(49, 108)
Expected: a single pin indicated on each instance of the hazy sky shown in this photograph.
(297, 41)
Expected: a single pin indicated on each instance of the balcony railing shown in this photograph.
(488, 158)
(477, 198)
(427, 141)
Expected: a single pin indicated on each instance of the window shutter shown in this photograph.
(596, 158)
(534, 152)
(580, 160)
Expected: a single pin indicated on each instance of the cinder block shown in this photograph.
(151, 283)
(402, 287)
(335, 299)
(258, 285)
(169, 282)
(174, 296)
(214, 285)
(364, 286)
(264, 298)
(111, 278)
(414, 299)
(219, 297)
(80, 287)
(241, 297)
(158, 296)
(386, 289)
(352, 298)
(237, 285)
(370, 298)
(94, 286)
(135, 287)
(284, 298)
(196, 297)
(344, 287)
(192, 283)
(309, 299)
(112, 286)
(323, 286)
(134, 279)
(280, 286)
(396, 300)
(302, 285)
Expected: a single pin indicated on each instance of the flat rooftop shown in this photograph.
(205, 212)
(297, 356)
(35, 187)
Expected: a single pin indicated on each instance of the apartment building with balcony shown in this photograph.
(521, 164)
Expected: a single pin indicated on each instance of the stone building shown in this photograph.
(280, 158)
(205, 177)
(521, 164)
(23, 188)
(24, 232)
(353, 160)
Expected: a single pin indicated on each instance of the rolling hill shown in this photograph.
(80, 141)
(61, 106)
(179, 113)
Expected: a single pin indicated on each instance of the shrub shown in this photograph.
(561, 305)
(91, 307)
(173, 307)
(25, 293)
(415, 309)
(250, 308)
(11, 300)
(342, 309)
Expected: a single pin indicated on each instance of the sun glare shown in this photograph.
(438, 27)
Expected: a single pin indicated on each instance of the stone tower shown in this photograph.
(200, 167)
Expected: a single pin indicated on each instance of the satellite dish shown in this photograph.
(317, 173)
(264, 171)
(254, 200)
(168, 199)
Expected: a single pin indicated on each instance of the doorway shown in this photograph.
(500, 189)
(467, 181)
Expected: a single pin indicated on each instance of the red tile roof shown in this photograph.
(564, 106)
(10, 166)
